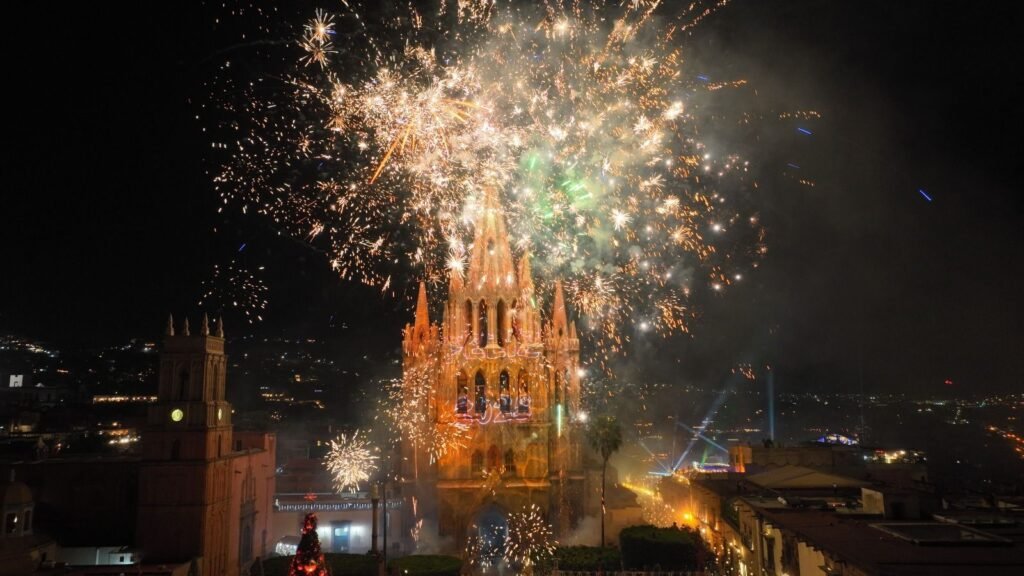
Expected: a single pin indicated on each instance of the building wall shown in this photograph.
(289, 523)
(252, 492)
(811, 561)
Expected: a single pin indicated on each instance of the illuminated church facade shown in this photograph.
(510, 375)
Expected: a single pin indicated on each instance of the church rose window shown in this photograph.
(480, 406)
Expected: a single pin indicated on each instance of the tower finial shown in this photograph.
(559, 317)
(184, 328)
(204, 328)
(220, 326)
(422, 311)
(170, 325)
(490, 260)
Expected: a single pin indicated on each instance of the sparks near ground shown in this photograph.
(375, 146)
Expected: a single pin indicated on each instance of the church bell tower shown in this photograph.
(185, 477)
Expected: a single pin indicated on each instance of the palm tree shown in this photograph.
(605, 436)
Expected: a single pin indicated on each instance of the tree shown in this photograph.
(308, 560)
(605, 436)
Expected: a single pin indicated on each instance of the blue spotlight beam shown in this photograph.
(705, 438)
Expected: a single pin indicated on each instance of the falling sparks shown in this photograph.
(351, 460)
(374, 147)
(234, 288)
(405, 409)
(529, 538)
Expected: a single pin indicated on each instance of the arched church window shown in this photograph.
(514, 321)
(510, 462)
(477, 463)
(501, 323)
(565, 391)
(480, 406)
(182, 384)
(558, 387)
(493, 458)
(482, 322)
(524, 392)
(462, 393)
(504, 393)
(469, 321)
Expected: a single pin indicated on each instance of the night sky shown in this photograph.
(110, 218)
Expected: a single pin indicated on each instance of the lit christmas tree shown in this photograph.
(308, 560)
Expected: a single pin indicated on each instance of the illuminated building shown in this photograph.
(512, 379)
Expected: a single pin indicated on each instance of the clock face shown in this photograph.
(177, 414)
(220, 414)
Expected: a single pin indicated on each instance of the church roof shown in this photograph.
(490, 264)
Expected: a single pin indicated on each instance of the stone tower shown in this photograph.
(495, 366)
(185, 482)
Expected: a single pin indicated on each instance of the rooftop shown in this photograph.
(901, 549)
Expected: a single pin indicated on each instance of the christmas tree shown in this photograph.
(308, 560)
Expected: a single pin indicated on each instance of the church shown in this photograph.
(509, 374)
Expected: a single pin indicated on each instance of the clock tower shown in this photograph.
(186, 474)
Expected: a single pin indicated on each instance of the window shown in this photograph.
(477, 463)
(11, 523)
(504, 394)
(482, 322)
(462, 393)
(514, 328)
(565, 391)
(558, 387)
(469, 321)
(510, 461)
(480, 406)
(245, 544)
(182, 384)
(27, 527)
(493, 458)
(524, 392)
(501, 323)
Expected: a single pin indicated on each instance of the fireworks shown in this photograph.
(351, 461)
(529, 537)
(585, 115)
(405, 409)
(233, 287)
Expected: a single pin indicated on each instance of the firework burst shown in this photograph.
(405, 409)
(351, 460)
(233, 287)
(586, 115)
(529, 538)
